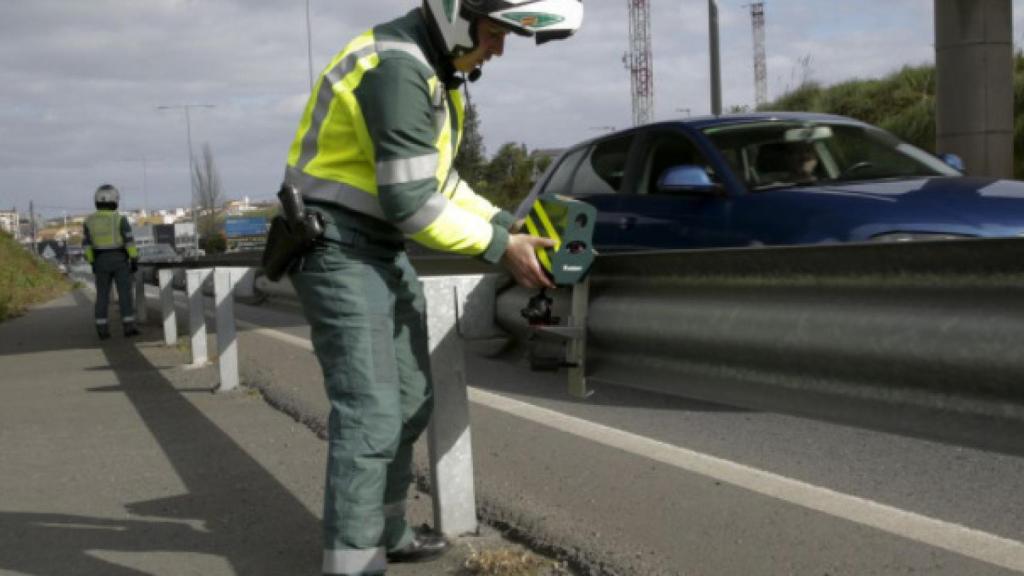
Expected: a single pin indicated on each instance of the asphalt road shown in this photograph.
(631, 482)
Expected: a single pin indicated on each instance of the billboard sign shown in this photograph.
(245, 234)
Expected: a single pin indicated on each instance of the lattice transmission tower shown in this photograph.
(760, 61)
(639, 61)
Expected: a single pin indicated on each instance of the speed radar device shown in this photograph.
(557, 342)
(570, 225)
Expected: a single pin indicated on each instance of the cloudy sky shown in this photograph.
(81, 81)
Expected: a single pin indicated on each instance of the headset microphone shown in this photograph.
(475, 75)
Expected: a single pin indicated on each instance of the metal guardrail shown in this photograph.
(895, 336)
(891, 336)
(426, 262)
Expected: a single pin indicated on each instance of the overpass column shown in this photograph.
(974, 84)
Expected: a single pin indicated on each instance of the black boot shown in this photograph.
(425, 545)
(130, 330)
(102, 331)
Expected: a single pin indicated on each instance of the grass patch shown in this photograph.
(25, 279)
(510, 562)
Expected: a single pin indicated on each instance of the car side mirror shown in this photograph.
(687, 179)
(953, 161)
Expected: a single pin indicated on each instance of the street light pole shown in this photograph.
(191, 169)
(716, 66)
(309, 45)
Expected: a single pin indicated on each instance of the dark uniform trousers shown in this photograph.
(112, 266)
(368, 317)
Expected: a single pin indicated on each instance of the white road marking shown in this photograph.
(956, 538)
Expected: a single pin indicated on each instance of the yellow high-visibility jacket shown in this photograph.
(107, 230)
(379, 136)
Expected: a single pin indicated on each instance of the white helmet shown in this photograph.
(545, 19)
(107, 194)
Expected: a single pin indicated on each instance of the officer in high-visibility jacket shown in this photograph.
(110, 250)
(373, 155)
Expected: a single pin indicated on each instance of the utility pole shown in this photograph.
(191, 169)
(32, 225)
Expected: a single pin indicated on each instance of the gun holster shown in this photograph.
(292, 234)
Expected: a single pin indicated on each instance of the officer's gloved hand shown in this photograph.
(134, 263)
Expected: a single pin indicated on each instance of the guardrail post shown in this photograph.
(166, 280)
(449, 442)
(576, 355)
(227, 342)
(141, 310)
(194, 280)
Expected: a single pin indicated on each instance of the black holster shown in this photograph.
(292, 234)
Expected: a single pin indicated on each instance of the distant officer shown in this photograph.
(110, 250)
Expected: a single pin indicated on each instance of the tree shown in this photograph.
(509, 175)
(471, 161)
(209, 196)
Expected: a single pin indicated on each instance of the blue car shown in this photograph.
(775, 179)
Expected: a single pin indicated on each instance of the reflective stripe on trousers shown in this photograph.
(355, 562)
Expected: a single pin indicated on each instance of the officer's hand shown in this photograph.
(517, 226)
(520, 259)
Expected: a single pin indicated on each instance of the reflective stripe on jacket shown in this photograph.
(379, 136)
(108, 230)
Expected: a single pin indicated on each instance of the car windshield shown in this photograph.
(771, 154)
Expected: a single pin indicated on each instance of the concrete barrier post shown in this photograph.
(227, 342)
(141, 309)
(197, 314)
(450, 445)
(165, 277)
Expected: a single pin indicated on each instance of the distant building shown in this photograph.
(239, 207)
(9, 223)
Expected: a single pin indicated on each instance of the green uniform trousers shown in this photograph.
(367, 312)
(113, 266)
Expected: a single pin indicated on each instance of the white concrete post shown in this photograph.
(197, 314)
(450, 445)
(166, 280)
(227, 343)
(141, 310)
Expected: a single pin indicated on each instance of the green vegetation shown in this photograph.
(506, 178)
(902, 103)
(25, 279)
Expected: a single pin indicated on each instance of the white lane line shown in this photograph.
(956, 538)
(297, 341)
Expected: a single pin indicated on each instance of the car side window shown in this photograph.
(604, 168)
(665, 151)
(559, 181)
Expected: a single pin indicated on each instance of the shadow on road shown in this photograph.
(233, 508)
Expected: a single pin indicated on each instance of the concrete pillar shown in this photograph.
(165, 278)
(448, 437)
(141, 309)
(194, 280)
(974, 84)
(227, 341)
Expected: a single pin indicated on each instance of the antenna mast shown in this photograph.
(760, 61)
(639, 61)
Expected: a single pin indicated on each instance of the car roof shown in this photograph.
(702, 122)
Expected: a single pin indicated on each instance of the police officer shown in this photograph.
(110, 250)
(373, 155)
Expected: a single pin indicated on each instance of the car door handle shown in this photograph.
(627, 222)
